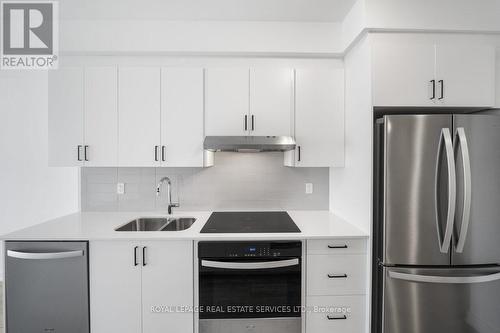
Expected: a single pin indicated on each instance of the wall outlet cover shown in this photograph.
(309, 188)
(120, 188)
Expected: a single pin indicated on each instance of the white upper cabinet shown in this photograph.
(465, 75)
(426, 71)
(319, 118)
(271, 101)
(182, 117)
(227, 101)
(402, 73)
(65, 117)
(101, 116)
(139, 98)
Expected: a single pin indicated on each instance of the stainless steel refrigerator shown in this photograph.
(437, 224)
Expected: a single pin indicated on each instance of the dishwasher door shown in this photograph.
(46, 287)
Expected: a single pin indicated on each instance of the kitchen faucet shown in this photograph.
(169, 191)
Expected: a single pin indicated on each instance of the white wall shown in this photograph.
(30, 191)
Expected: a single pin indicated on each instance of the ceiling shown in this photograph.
(220, 10)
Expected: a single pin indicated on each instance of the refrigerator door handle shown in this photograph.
(446, 141)
(445, 279)
(461, 137)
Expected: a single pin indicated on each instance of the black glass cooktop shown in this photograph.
(249, 222)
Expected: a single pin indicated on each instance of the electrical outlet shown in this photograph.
(120, 188)
(309, 188)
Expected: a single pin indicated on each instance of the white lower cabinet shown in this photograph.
(141, 286)
(336, 314)
(336, 280)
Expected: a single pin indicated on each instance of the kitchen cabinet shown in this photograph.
(101, 116)
(227, 101)
(141, 283)
(336, 285)
(65, 117)
(432, 73)
(139, 96)
(319, 118)
(271, 101)
(182, 99)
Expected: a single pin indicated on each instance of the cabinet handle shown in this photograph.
(433, 89)
(135, 256)
(253, 122)
(156, 153)
(298, 147)
(246, 122)
(330, 317)
(441, 82)
(337, 246)
(85, 152)
(337, 276)
(163, 153)
(78, 151)
(144, 256)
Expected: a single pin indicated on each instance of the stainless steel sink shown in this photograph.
(178, 224)
(158, 224)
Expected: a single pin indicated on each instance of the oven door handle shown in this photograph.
(250, 265)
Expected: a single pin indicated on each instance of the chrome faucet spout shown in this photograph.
(170, 204)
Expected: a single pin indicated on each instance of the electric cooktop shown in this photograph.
(249, 222)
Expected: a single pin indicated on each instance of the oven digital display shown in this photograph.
(252, 249)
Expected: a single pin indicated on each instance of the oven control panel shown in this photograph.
(249, 249)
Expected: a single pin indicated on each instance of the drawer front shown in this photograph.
(336, 246)
(336, 275)
(343, 314)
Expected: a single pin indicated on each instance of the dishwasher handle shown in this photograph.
(44, 255)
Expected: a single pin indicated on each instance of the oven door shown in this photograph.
(259, 295)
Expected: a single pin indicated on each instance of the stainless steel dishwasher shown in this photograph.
(46, 287)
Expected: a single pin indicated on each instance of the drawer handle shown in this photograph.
(337, 246)
(337, 276)
(330, 317)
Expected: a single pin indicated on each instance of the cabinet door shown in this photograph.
(402, 73)
(227, 91)
(101, 116)
(271, 97)
(115, 287)
(468, 74)
(66, 117)
(319, 117)
(167, 281)
(182, 117)
(139, 116)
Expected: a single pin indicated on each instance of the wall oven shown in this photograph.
(250, 287)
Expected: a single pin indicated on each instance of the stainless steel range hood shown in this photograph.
(249, 143)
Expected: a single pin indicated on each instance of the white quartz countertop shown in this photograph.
(101, 226)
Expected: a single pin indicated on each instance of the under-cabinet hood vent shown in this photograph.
(249, 143)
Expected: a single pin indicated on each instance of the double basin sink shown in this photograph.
(158, 224)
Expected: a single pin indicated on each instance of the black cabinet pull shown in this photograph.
(253, 122)
(330, 317)
(163, 153)
(85, 152)
(156, 153)
(78, 150)
(135, 256)
(299, 153)
(337, 276)
(337, 246)
(144, 256)
(246, 122)
(441, 82)
(433, 89)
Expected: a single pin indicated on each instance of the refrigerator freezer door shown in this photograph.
(411, 232)
(477, 233)
(46, 287)
(441, 300)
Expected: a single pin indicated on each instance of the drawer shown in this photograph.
(336, 274)
(336, 246)
(342, 314)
